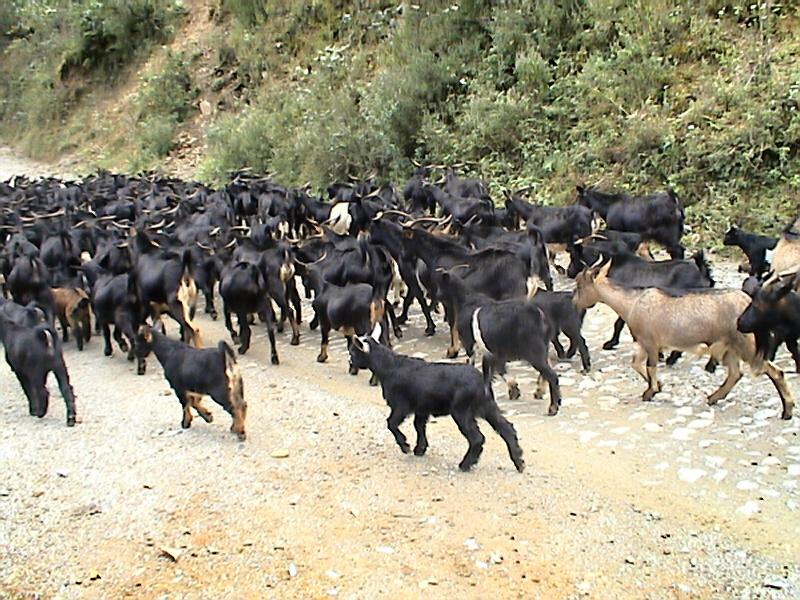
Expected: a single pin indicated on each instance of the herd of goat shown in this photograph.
(124, 251)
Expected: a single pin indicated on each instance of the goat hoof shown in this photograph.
(71, 421)
(140, 370)
(451, 353)
(107, 351)
(609, 346)
(786, 415)
(552, 410)
(274, 360)
(295, 340)
(398, 333)
(124, 346)
(186, 424)
(242, 436)
(513, 392)
(235, 338)
(280, 328)
(420, 450)
(321, 358)
(711, 401)
(405, 448)
(242, 349)
(401, 320)
(465, 466)
(430, 331)
(711, 367)
(214, 316)
(519, 464)
(353, 371)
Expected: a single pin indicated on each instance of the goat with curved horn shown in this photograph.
(313, 262)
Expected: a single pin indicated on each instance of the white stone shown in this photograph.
(690, 475)
(746, 485)
(586, 436)
(749, 508)
(682, 433)
(651, 427)
(793, 470)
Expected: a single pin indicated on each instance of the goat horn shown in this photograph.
(373, 194)
(214, 231)
(415, 163)
(204, 247)
(230, 244)
(308, 264)
(158, 225)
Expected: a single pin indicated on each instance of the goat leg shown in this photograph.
(779, 381)
(420, 423)
(734, 375)
(469, 429)
(396, 417)
(506, 431)
(614, 341)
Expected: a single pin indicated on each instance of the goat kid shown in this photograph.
(412, 385)
(193, 373)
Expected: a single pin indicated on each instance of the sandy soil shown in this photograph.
(620, 499)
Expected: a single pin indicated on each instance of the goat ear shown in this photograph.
(580, 189)
(376, 333)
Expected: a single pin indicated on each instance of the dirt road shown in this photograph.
(620, 499)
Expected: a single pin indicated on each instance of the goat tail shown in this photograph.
(186, 264)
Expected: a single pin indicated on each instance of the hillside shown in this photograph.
(701, 96)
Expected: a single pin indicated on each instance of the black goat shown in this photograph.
(32, 353)
(504, 330)
(756, 247)
(774, 317)
(195, 372)
(411, 385)
(658, 217)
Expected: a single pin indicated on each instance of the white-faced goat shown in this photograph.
(412, 385)
(699, 321)
(193, 373)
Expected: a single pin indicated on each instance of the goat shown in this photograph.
(73, 311)
(786, 257)
(412, 385)
(757, 248)
(504, 330)
(32, 353)
(700, 321)
(773, 317)
(193, 373)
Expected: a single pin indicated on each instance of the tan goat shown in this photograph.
(698, 321)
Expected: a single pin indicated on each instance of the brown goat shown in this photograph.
(698, 321)
(73, 310)
(786, 256)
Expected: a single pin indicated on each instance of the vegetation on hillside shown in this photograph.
(701, 96)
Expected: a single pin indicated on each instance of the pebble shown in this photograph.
(385, 549)
(292, 570)
(749, 508)
(690, 475)
(682, 433)
(793, 470)
(281, 453)
(586, 436)
(471, 544)
(746, 485)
